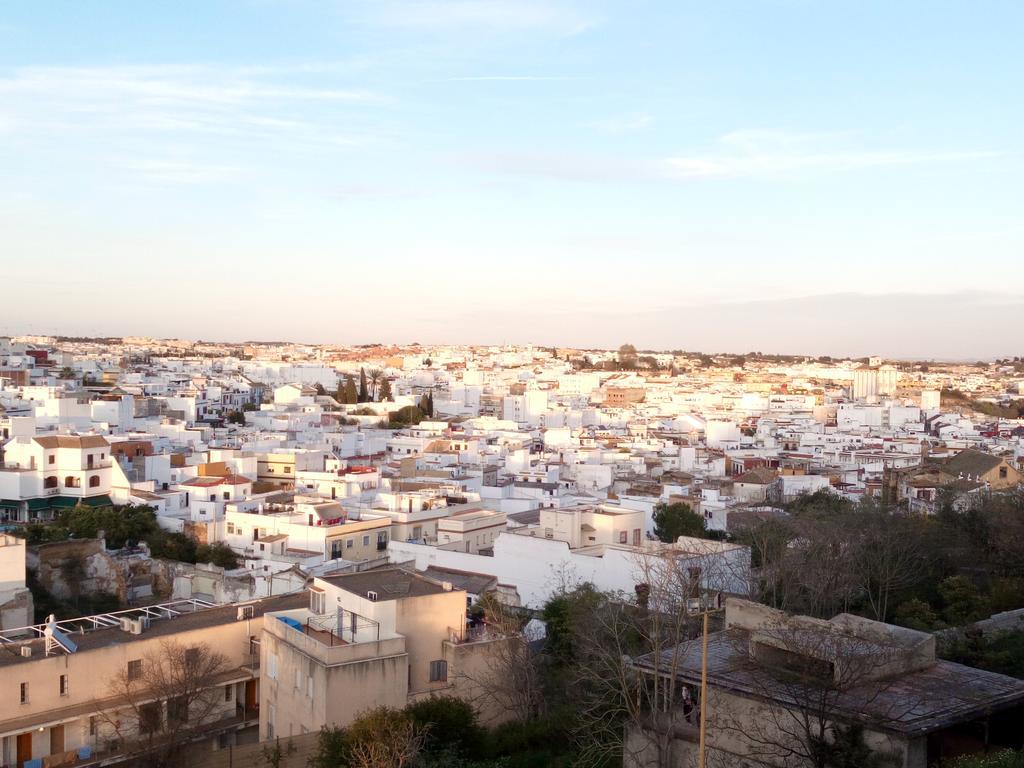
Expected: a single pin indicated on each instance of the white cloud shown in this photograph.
(505, 15)
(766, 153)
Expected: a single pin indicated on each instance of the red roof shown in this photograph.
(209, 482)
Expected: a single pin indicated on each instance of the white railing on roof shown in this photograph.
(110, 620)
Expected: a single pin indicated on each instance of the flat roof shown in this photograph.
(388, 583)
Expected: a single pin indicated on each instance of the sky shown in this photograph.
(779, 175)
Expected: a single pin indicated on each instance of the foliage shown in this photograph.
(450, 724)
(1004, 759)
(1001, 652)
(963, 603)
(248, 407)
(121, 525)
(674, 520)
(405, 416)
(236, 417)
(384, 395)
(173, 546)
(275, 756)
(364, 392)
(916, 614)
(219, 554)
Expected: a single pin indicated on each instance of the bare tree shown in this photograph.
(165, 700)
(805, 677)
(887, 558)
(612, 696)
(512, 680)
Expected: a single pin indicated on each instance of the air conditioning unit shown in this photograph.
(244, 612)
(139, 625)
(26, 651)
(371, 596)
(126, 623)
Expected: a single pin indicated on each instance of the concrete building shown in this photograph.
(378, 638)
(913, 707)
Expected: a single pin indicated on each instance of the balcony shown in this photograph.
(317, 636)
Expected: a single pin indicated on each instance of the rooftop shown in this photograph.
(388, 583)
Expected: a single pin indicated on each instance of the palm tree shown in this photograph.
(376, 374)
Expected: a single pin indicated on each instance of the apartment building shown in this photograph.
(62, 700)
(471, 530)
(45, 474)
(296, 527)
(378, 638)
(586, 525)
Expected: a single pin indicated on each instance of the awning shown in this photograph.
(67, 502)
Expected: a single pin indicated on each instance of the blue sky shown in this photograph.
(490, 170)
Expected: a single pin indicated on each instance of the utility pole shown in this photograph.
(702, 754)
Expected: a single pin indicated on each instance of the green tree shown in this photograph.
(430, 404)
(173, 546)
(674, 520)
(627, 356)
(219, 554)
(364, 392)
(236, 417)
(385, 390)
(407, 416)
(963, 602)
(916, 614)
(350, 395)
(451, 725)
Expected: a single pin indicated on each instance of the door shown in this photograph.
(56, 739)
(24, 747)
(251, 703)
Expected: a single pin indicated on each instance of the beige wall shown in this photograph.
(425, 623)
(89, 672)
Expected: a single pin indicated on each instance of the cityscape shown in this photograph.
(511, 384)
(215, 547)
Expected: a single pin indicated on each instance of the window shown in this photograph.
(317, 601)
(439, 671)
(63, 685)
(94, 481)
(348, 543)
(72, 482)
(231, 527)
(366, 540)
(623, 537)
(51, 459)
(1002, 473)
(50, 482)
(93, 723)
(24, 693)
(228, 692)
(135, 669)
(287, 470)
(191, 657)
(227, 495)
(150, 717)
(177, 710)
